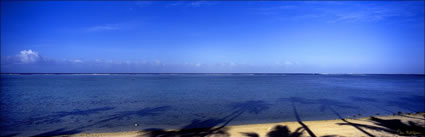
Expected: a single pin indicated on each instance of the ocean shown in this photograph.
(41, 104)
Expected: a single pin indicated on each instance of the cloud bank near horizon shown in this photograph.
(31, 61)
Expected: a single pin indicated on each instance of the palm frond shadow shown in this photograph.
(191, 132)
(252, 106)
(330, 104)
(212, 126)
(281, 131)
(9, 135)
(294, 108)
(57, 116)
(148, 111)
(393, 126)
(250, 134)
(324, 104)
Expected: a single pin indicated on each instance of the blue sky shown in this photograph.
(212, 37)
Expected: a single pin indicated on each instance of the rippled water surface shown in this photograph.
(66, 104)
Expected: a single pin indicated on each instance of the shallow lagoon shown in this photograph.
(66, 104)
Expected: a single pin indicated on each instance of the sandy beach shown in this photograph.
(212, 68)
(399, 125)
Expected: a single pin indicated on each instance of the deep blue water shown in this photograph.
(61, 104)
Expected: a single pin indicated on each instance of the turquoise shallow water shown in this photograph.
(63, 104)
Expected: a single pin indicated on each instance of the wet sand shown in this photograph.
(399, 125)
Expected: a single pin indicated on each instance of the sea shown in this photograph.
(57, 104)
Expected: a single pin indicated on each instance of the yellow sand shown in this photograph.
(318, 128)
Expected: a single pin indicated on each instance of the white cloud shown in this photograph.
(194, 4)
(287, 63)
(77, 61)
(198, 3)
(352, 11)
(103, 28)
(198, 64)
(28, 56)
(367, 15)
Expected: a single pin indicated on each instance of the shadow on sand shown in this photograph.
(216, 129)
(278, 131)
(297, 116)
(213, 126)
(324, 104)
(217, 126)
(393, 126)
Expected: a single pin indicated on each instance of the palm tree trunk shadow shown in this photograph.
(300, 122)
(354, 125)
(231, 117)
